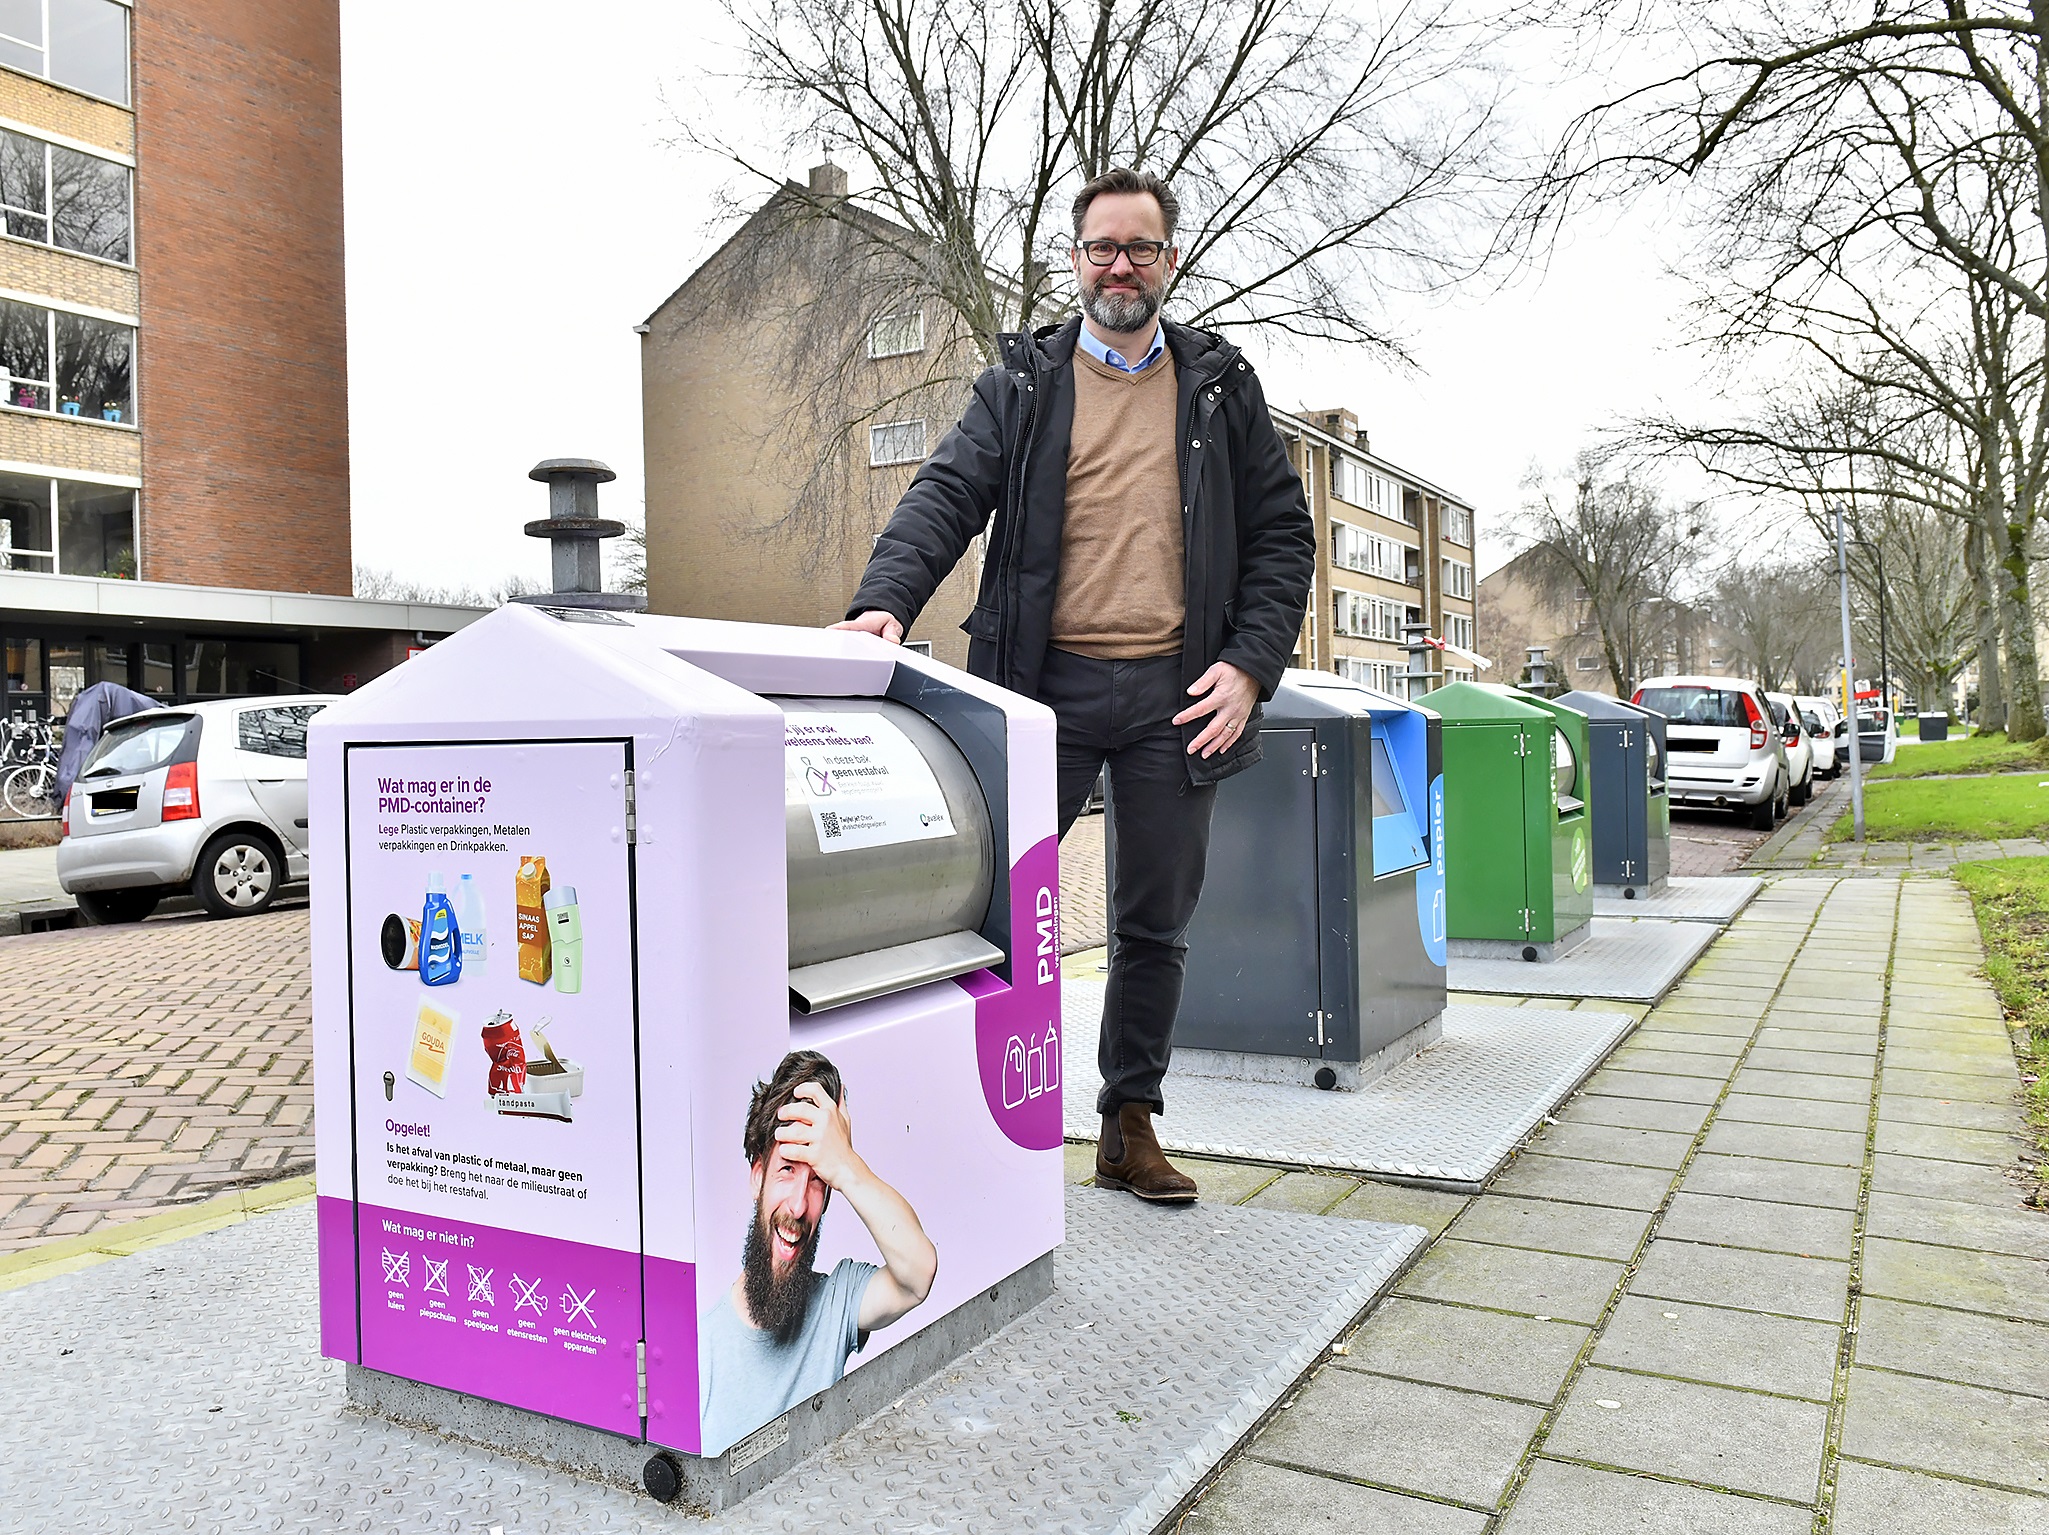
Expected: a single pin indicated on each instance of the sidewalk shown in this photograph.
(1798, 845)
(1764, 1274)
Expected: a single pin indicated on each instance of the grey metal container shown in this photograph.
(1303, 963)
(1632, 817)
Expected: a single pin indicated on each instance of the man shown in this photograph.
(783, 1331)
(1148, 563)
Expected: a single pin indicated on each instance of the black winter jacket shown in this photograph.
(1250, 544)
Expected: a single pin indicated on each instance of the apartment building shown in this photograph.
(1392, 550)
(1667, 637)
(174, 489)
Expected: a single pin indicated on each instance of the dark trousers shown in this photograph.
(1121, 714)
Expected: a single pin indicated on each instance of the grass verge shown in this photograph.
(1972, 754)
(2011, 898)
(2007, 805)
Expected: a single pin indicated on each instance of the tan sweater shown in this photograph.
(1121, 593)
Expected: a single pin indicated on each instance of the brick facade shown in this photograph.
(243, 367)
(82, 281)
(59, 443)
(39, 104)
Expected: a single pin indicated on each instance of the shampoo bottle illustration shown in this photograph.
(469, 918)
(440, 938)
(565, 937)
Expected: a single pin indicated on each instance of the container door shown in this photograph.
(1485, 836)
(1254, 977)
(1630, 766)
(496, 1105)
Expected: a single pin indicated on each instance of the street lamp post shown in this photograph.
(1884, 665)
(1850, 686)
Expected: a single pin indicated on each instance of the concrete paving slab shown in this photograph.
(1943, 1276)
(1252, 1498)
(1959, 1346)
(1687, 898)
(1634, 1113)
(1450, 1115)
(146, 1360)
(1398, 1205)
(1404, 1435)
(1774, 1036)
(1309, 1193)
(2014, 1230)
(1078, 1162)
(1786, 1143)
(1813, 1288)
(1606, 1143)
(1510, 1279)
(1629, 961)
(1809, 1113)
(1721, 1347)
(1645, 1084)
(1826, 1063)
(1946, 1084)
(1465, 1348)
(1801, 1084)
(1804, 1230)
(1966, 1114)
(1878, 1500)
(1673, 1063)
(1947, 1143)
(1811, 1018)
(1796, 1183)
(1586, 1231)
(1959, 1053)
(1563, 1499)
(1595, 1183)
(1734, 1439)
(1970, 1182)
(1702, 1018)
(1660, 1037)
(1222, 1183)
(1939, 1426)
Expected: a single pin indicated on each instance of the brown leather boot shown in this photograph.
(1143, 1169)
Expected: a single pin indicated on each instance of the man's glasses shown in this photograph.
(1104, 252)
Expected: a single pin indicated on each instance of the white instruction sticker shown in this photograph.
(865, 782)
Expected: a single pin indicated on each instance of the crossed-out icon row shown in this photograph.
(526, 1294)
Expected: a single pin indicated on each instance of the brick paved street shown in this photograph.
(149, 1066)
(1082, 923)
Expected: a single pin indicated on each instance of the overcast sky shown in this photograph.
(516, 204)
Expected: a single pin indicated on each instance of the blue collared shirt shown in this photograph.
(1115, 359)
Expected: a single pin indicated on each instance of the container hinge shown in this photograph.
(632, 811)
(1319, 1015)
(1310, 771)
(1625, 739)
(1529, 920)
(1522, 743)
(640, 1373)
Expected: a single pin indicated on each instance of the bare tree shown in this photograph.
(382, 585)
(1322, 162)
(1777, 611)
(1606, 539)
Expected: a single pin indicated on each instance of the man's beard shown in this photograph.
(1119, 311)
(778, 1304)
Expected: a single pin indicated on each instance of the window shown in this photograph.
(1458, 579)
(896, 442)
(230, 668)
(27, 534)
(61, 197)
(275, 732)
(1458, 629)
(1587, 663)
(93, 362)
(1378, 675)
(138, 746)
(92, 531)
(1367, 617)
(1458, 524)
(1351, 480)
(894, 335)
(1368, 553)
(79, 43)
(24, 666)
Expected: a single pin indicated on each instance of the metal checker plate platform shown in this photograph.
(1624, 961)
(1687, 898)
(1447, 1117)
(182, 1389)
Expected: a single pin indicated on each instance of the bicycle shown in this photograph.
(28, 768)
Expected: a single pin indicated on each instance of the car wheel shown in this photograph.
(1804, 793)
(1762, 815)
(238, 874)
(108, 908)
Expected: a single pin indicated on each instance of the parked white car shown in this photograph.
(209, 798)
(1722, 749)
(1831, 737)
(1799, 746)
(1879, 734)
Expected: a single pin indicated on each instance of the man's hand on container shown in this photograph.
(1228, 694)
(875, 622)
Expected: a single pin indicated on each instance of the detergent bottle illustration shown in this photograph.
(440, 937)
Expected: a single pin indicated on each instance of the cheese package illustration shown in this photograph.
(427, 1065)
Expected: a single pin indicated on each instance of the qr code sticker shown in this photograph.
(830, 821)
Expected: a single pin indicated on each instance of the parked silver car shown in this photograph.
(1723, 749)
(1799, 745)
(208, 798)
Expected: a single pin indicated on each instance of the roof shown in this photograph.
(219, 608)
(1293, 419)
(1474, 702)
(1605, 706)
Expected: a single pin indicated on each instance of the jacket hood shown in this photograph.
(1052, 346)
